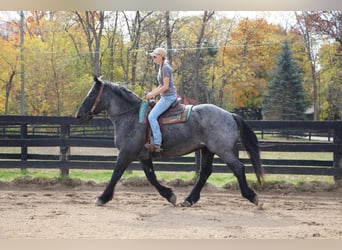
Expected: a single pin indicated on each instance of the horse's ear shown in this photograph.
(97, 79)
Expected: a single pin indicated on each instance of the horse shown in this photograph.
(210, 129)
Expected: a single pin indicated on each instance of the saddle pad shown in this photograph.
(180, 114)
(142, 111)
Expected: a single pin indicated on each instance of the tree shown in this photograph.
(244, 61)
(135, 27)
(192, 43)
(221, 72)
(306, 29)
(327, 23)
(326, 79)
(331, 81)
(8, 69)
(92, 23)
(54, 75)
(285, 98)
(111, 37)
(216, 59)
(199, 44)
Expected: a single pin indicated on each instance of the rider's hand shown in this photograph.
(148, 96)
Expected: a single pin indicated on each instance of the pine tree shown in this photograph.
(285, 98)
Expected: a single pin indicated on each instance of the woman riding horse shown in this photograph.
(210, 129)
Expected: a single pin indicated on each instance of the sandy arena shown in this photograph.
(59, 212)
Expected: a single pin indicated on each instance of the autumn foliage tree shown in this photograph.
(8, 70)
(246, 59)
(216, 59)
(331, 81)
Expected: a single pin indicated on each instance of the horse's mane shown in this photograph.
(124, 92)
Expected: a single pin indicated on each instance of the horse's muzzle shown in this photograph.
(85, 117)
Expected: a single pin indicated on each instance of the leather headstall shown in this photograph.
(97, 100)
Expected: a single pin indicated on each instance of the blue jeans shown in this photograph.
(161, 106)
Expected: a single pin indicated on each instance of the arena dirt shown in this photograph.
(38, 211)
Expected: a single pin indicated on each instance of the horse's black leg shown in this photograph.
(166, 192)
(120, 167)
(238, 170)
(205, 171)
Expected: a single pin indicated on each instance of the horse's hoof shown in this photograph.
(261, 206)
(173, 199)
(256, 200)
(186, 204)
(99, 202)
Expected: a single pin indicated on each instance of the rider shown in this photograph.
(168, 95)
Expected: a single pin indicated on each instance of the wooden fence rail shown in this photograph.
(65, 132)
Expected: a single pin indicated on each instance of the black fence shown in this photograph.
(23, 132)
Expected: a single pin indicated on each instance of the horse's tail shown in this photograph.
(250, 143)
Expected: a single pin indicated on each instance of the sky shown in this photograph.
(284, 18)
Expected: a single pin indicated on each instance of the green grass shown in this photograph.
(88, 175)
(12, 174)
(217, 179)
(322, 156)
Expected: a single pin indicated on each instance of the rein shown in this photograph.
(127, 111)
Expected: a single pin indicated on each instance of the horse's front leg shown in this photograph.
(122, 163)
(166, 192)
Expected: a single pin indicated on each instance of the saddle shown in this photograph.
(177, 113)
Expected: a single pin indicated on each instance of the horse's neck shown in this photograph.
(123, 107)
(124, 116)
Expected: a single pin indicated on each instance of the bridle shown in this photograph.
(97, 100)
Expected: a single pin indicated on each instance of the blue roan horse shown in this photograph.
(210, 129)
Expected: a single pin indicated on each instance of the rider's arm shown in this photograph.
(160, 89)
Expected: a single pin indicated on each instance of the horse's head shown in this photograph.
(91, 104)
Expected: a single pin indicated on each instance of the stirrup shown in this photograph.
(153, 147)
(157, 148)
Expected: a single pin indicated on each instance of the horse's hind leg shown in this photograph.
(166, 192)
(205, 172)
(238, 170)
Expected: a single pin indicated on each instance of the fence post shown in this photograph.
(64, 148)
(23, 135)
(338, 154)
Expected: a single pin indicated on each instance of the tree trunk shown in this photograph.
(196, 62)
(168, 36)
(8, 90)
(92, 25)
(307, 30)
